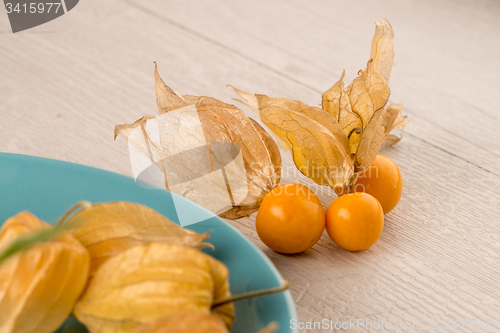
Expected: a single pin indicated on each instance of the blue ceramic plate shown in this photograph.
(47, 188)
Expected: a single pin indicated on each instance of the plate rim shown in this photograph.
(292, 310)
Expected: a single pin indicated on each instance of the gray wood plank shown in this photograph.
(446, 56)
(65, 85)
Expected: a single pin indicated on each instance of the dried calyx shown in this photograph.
(43, 271)
(145, 270)
(333, 144)
(106, 229)
(206, 150)
(153, 281)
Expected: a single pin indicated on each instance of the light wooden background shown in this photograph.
(64, 85)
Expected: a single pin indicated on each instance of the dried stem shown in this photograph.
(250, 294)
(71, 210)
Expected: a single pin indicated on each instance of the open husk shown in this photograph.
(206, 150)
(333, 144)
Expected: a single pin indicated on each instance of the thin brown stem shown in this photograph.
(71, 210)
(284, 286)
(355, 129)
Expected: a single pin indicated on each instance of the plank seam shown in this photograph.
(263, 65)
(450, 153)
(215, 42)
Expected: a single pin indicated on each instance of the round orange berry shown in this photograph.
(355, 221)
(291, 219)
(382, 180)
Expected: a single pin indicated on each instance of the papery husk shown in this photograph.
(186, 123)
(148, 282)
(186, 323)
(360, 108)
(40, 285)
(19, 225)
(390, 141)
(355, 106)
(256, 194)
(193, 323)
(377, 132)
(107, 229)
(332, 145)
(317, 143)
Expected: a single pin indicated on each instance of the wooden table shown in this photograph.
(66, 84)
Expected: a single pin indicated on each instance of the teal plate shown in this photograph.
(47, 188)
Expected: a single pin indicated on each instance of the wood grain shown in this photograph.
(64, 86)
(447, 64)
